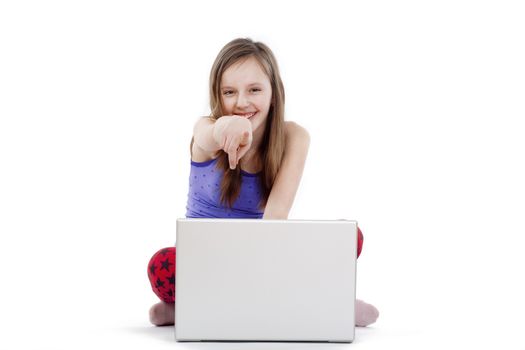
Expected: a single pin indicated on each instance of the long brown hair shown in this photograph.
(271, 150)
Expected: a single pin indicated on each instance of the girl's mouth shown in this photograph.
(247, 115)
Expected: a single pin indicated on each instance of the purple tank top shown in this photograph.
(204, 194)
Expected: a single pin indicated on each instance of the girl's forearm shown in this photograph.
(203, 135)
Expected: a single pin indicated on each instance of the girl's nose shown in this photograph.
(242, 100)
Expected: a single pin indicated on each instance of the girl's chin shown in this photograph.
(257, 127)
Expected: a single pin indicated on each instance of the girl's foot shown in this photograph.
(365, 314)
(162, 314)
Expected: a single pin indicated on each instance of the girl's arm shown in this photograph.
(233, 134)
(287, 181)
(203, 135)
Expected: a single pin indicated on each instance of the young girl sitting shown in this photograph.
(246, 161)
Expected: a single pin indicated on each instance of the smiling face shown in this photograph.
(246, 91)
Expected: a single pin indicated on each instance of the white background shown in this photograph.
(415, 114)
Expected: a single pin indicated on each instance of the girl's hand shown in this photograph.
(234, 135)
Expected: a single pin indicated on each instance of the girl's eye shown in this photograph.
(256, 89)
(227, 92)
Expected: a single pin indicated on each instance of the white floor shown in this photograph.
(144, 336)
(377, 337)
(140, 335)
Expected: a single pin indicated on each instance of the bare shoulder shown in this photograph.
(296, 134)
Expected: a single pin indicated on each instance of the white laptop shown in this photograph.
(265, 280)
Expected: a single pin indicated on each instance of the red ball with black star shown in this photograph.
(360, 239)
(161, 274)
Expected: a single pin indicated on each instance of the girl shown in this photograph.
(246, 161)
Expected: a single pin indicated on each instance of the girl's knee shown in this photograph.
(161, 274)
(360, 239)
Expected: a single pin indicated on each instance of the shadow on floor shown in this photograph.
(166, 333)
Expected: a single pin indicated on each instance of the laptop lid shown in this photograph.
(265, 280)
